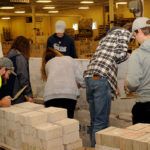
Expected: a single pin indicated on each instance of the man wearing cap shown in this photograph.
(62, 42)
(138, 77)
(6, 68)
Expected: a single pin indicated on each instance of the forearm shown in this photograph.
(1, 104)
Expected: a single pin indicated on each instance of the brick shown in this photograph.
(32, 118)
(54, 114)
(116, 122)
(100, 147)
(49, 145)
(98, 134)
(14, 112)
(27, 146)
(114, 138)
(68, 125)
(138, 126)
(48, 131)
(73, 145)
(71, 137)
(29, 105)
(13, 134)
(3, 111)
(141, 142)
(125, 116)
(29, 130)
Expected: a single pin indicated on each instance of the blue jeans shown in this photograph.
(99, 95)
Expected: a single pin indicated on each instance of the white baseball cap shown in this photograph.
(60, 26)
(140, 22)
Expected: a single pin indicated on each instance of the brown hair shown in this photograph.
(146, 30)
(128, 26)
(48, 54)
(22, 45)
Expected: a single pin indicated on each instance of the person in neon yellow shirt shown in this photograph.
(6, 68)
(2, 72)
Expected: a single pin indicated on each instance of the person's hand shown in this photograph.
(6, 101)
(125, 85)
(2, 71)
(78, 85)
(29, 99)
(118, 92)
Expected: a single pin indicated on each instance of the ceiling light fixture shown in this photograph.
(122, 3)
(19, 12)
(19, 1)
(44, 1)
(56, 11)
(5, 18)
(83, 8)
(87, 2)
(7, 7)
(48, 7)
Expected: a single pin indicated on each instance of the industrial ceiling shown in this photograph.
(59, 5)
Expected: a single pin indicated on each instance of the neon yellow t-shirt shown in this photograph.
(0, 81)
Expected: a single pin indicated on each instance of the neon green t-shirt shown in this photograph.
(0, 81)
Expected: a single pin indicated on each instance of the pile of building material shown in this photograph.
(29, 126)
(85, 49)
(135, 137)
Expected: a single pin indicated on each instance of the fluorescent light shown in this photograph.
(7, 7)
(86, 2)
(6, 18)
(19, 12)
(83, 8)
(46, 7)
(122, 3)
(44, 1)
(75, 26)
(56, 11)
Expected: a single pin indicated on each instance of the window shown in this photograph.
(94, 25)
(75, 26)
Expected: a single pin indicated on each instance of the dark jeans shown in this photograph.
(68, 104)
(141, 113)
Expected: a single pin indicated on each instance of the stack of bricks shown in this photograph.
(85, 49)
(29, 126)
(135, 137)
(10, 131)
(70, 127)
(11, 125)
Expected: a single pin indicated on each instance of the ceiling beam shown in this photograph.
(37, 15)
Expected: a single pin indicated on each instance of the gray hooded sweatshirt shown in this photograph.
(138, 77)
(63, 74)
